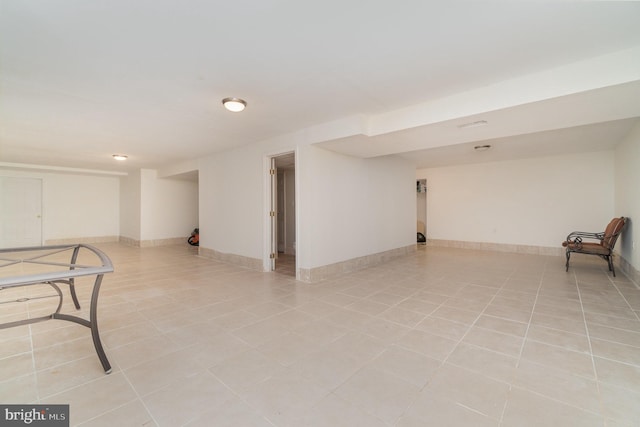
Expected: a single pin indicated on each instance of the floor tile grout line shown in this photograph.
(561, 402)
(444, 361)
(96, 380)
(237, 395)
(111, 410)
(64, 390)
(139, 397)
(33, 361)
(245, 401)
(524, 341)
(477, 318)
(593, 361)
(625, 298)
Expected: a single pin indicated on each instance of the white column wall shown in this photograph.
(231, 202)
(130, 206)
(627, 195)
(533, 202)
(347, 207)
(352, 207)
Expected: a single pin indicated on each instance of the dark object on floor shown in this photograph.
(194, 239)
(603, 248)
(422, 238)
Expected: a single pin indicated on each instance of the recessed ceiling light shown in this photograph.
(482, 147)
(234, 104)
(473, 124)
(120, 157)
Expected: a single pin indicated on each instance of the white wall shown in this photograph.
(168, 207)
(130, 206)
(352, 207)
(533, 202)
(80, 206)
(76, 205)
(627, 195)
(139, 206)
(154, 208)
(232, 202)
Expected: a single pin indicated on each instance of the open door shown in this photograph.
(281, 220)
(421, 213)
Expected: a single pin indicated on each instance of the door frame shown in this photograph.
(426, 203)
(269, 234)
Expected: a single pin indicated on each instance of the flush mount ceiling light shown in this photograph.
(234, 104)
(482, 147)
(120, 157)
(473, 124)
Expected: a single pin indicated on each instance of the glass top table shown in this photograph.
(53, 266)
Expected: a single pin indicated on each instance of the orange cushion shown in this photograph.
(589, 248)
(610, 233)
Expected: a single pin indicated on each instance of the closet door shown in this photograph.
(20, 212)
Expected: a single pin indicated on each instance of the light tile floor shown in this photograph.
(443, 337)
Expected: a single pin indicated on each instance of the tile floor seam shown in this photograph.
(558, 329)
(257, 410)
(151, 359)
(138, 396)
(474, 322)
(558, 347)
(33, 361)
(524, 341)
(79, 385)
(475, 410)
(88, 421)
(467, 332)
(410, 404)
(631, 365)
(618, 329)
(591, 355)
(618, 342)
(35, 379)
(76, 385)
(562, 402)
(615, 317)
(364, 409)
(17, 354)
(625, 299)
(497, 332)
(195, 417)
(479, 347)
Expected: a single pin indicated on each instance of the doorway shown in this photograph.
(283, 214)
(421, 210)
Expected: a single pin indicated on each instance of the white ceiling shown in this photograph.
(81, 80)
